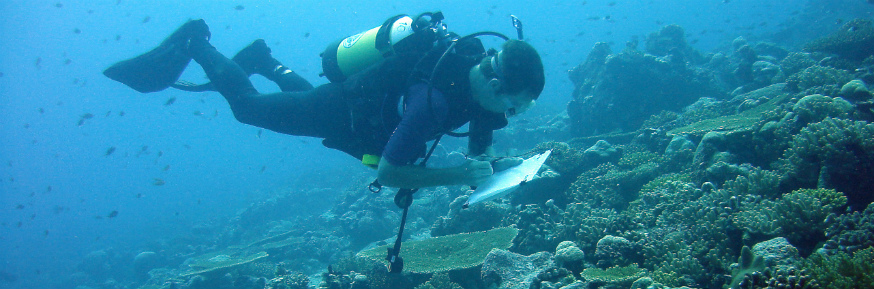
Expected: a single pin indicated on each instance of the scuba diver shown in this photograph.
(392, 89)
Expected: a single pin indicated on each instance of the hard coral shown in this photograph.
(854, 40)
(799, 216)
(817, 76)
(843, 270)
(834, 153)
(850, 232)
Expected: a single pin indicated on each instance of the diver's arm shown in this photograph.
(470, 173)
(479, 142)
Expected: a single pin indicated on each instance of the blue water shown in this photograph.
(59, 185)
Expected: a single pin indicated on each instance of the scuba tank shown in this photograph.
(397, 34)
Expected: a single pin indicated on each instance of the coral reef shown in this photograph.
(834, 153)
(842, 270)
(850, 232)
(454, 252)
(617, 277)
(506, 270)
(815, 76)
(854, 40)
(609, 86)
(799, 216)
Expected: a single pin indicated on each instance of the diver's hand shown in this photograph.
(506, 163)
(475, 172)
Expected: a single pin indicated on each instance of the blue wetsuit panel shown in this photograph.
(419, 124)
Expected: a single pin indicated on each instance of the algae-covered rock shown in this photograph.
(503, 269)
(448, 253)
(776, 251)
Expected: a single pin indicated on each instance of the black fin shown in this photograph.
(159, 68)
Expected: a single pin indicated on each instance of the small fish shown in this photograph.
(48, 189)
(166, 168)
(259, 133)
(146, 20)
(77, 31)
(108, 113)
(46, 233)
(59, 5)
(239, 7)
(87, 116)
(118, 37)
(112, 214)
(20, 206)
(139, 195)
(158, 182)
(263, 168)
(37, 62)
(121, 113)
(306, 35)
(170, 101)
(109, 151)
(197, 113)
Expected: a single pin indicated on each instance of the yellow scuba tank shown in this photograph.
(357, 52)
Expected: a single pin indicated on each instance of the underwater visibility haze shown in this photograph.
(705, 144)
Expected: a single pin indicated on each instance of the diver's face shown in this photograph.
(486, 92)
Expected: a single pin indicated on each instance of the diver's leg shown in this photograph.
(228, 78)
(256, 58)
(320, 112)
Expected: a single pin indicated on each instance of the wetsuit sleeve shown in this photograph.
(480, 138)
(419, 124)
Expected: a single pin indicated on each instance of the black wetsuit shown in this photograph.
(361, 115)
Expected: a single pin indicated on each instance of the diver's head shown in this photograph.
(509, 81)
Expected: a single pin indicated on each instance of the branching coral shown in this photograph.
(843, 270)
(850, 232)
(799, 216)
(834, 153)
(854, 40)
(817, 76)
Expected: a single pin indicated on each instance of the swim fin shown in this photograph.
(159, 68)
